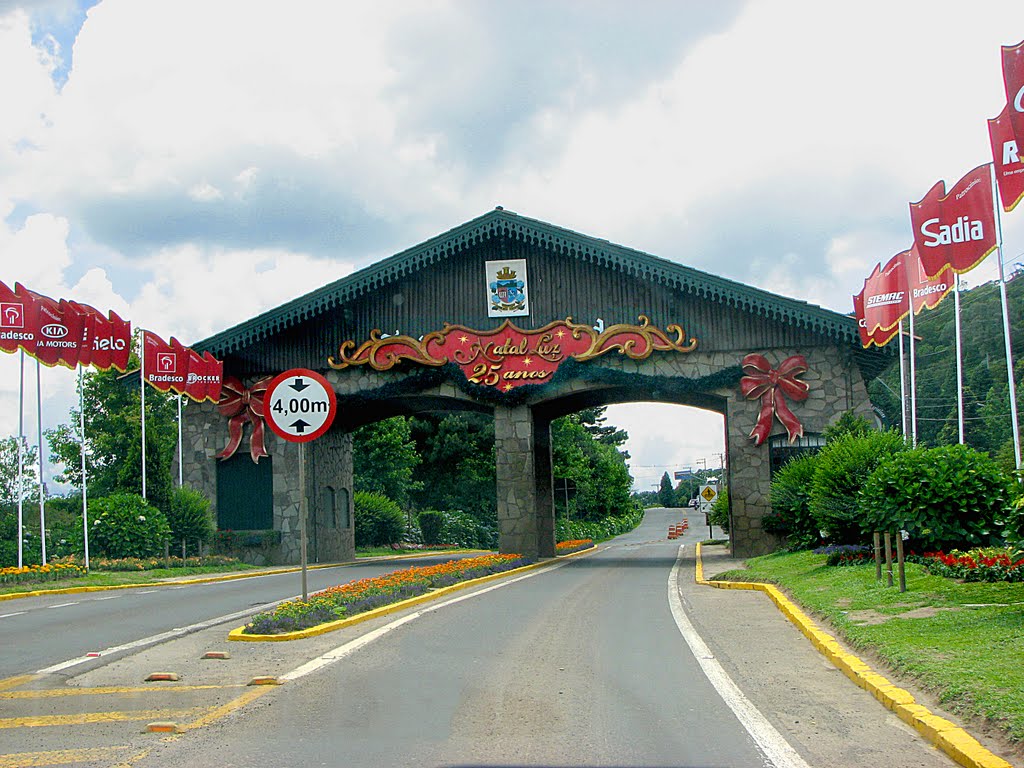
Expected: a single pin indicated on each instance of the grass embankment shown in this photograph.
(964, 642)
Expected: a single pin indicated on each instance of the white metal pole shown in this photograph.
(85, 495)
(959, 362)
(142, 399)
(39, 432)
(21, 460)
(303, 514)
(180, 478)
(903, 377)
(913, 385)
(1006, 326)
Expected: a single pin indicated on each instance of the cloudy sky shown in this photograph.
(190, 164)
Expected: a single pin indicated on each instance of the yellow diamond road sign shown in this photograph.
(708, 493)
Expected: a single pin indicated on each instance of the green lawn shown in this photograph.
(116, 578)
(962, 641)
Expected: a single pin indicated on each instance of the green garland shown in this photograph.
(423, 378)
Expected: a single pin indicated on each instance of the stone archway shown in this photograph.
(717, 324)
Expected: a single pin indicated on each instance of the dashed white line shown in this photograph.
(16, 613)
(62, 605)
(109, 597)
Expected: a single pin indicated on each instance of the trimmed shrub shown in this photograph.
(464, 530)
(719, 514)
(379, 520)
(124, 525)
(791, 504)
(432, 526)
(945, 498)
(189, 517)
(842, 468)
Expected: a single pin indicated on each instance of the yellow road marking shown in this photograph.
(53, 692)
(96, 717)
(60, 757)
(14, 682)
(128, 762)
(226, 709)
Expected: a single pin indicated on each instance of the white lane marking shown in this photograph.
(62, 605)
(146, 592)
(109, 597)
(339, 653)
(154, 639)
(764, 734)
(16, 613)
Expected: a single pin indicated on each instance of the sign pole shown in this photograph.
(303, 512)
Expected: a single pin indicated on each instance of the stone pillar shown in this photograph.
(516, 465)
(542, 462)
(331, 532)
(749, 482)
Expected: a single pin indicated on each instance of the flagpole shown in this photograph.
(21, 461)
(913, 384)
(959, 361)
(903, 380)
(179, 443)
(39, 432)
(142, 398)
(1006, 323)
(85, 501)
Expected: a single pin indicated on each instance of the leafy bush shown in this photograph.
(189, 516)
(719, 514)
(464, 530)
(124, 525)
(842, 468)
(944, 497)
(599, 530)
(432, 526)
(791, 504)
(379, 520)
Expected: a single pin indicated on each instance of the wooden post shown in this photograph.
(888, 557)
(878, 556)
(899, 561)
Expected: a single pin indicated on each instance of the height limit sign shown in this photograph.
(300, 405)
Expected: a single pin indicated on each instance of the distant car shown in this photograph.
(694, 503)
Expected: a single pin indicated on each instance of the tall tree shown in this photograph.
(113, 439)
(9, 473)
(666, 493)
(457, 467)
(384, 457)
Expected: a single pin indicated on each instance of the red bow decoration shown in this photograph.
(240, 405)
(772, 387)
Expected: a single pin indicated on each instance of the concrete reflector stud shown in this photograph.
(216, 655)
(265, 680)
(163, 727)
(162, 677)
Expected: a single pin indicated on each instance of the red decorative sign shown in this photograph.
(1007, 159)
(772, 387)
(1013, 80)
(508, 356)
(240, 405)
(956, 230)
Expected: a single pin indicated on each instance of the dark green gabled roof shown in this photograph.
(500, 222)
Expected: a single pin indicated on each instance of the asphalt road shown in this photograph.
(38, 633)
(582, 664)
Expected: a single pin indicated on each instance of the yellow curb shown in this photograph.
(240, 635)
(941, 733)
(230, 576)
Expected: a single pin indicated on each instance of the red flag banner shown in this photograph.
(955, 230)
(1013, 81)
(885, 295)
(164, 370)
(926, 292)
(106, 340)
(57, 327)
(16, 327)
(1006, 157)
(215, 372)
(879, 336)
(204, 379)
(118, 342)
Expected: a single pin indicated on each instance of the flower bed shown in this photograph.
(48, 572)
(153, 563)
(990, 564)
(575, 545)
(363, 595)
